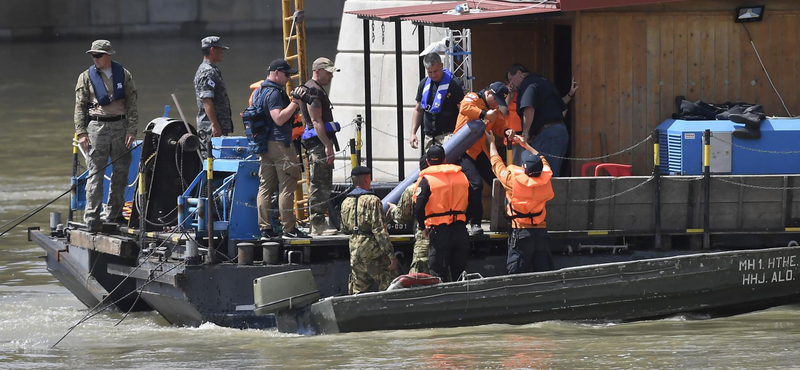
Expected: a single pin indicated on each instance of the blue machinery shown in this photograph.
(235, 183)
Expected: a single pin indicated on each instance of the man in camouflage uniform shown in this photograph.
(316, 115)
(372, 257)
(214, 108)
(105, 122)
(403, 213)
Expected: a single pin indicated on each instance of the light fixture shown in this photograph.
(749, 13)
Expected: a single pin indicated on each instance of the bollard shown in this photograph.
(245, 253)
(191, 248)
(272, 253)
(55, 219)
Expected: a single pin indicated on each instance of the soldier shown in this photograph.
(438, 96)
(403, 213)
(318, 116)
(528, 189)
(214, 108)
(372, 257)
(441, 196)
(105, 122)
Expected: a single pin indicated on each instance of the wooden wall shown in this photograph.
(495, 47)
(632, 64)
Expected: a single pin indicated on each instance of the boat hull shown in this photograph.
(721, 283)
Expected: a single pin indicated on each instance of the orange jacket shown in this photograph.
(297, 125)
(513, 120)
(470, 110)
(526, 195)
(449, 194)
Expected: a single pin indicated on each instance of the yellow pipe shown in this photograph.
(707, 155)
(656, 158)
(210, 171)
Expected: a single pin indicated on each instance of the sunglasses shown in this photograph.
(97, 56)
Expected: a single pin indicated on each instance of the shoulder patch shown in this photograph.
(418, 192)
(503, 173)
(211, 83)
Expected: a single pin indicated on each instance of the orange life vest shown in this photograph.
(528, 196)
(449, 194)
(297, 125)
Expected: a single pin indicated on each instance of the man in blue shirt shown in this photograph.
(279, 165)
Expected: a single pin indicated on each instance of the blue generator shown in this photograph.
(776, 152)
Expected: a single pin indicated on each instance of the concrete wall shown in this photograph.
(46, 19)
(347, 88)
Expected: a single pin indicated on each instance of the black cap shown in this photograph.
(423, 163)
(435, 155)
(281, 65)
(532, 164)
(359, 171)
(500, 91)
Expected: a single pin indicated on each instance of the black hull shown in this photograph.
(84, 273)
(721, 283)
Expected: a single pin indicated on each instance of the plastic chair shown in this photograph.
(587, 165)
(613, 169)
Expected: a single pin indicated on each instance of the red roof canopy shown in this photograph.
(435, 14)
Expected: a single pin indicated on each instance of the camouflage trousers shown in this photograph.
(419, 262)
(438, 139)
(320, 178)
(108, 140)
(368, 265)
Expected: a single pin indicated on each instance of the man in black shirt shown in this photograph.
(542, 109)
(438, 96)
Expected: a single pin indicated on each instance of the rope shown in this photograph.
(602, 156)
(754, 186)
(754, 149)
(652, 176)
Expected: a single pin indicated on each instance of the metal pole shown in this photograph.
(212, 249)
(421, 46)
(367, 93)
(398, 57)
(353, 155)
(73, 192)
(657, 188)
(707, 188)
(357, 145)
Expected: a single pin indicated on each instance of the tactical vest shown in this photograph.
(100, 92)
(357, 193)
(255, 122)
(441, 93)
(528, 196)
(327, 117)
(449, 194)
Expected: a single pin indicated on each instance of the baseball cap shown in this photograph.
(324, 63)
(212, 41)
(101, 47)
(500, 90)
(281, 65)
(435, 155)
(359, 171)
(532, 164)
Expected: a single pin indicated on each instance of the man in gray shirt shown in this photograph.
(214, 108)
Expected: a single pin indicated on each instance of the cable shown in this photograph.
(43, 206)
(765, 70)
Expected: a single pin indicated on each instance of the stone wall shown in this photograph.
(54, 19)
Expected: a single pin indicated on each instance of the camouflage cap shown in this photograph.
(212, 41)
(101, 47)
(324, 63)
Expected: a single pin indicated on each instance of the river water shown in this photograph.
(37, 101)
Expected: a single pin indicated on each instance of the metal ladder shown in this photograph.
(294, 46)
(458, 56)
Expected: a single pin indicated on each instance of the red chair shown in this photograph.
(613, 169)
(587, 165)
